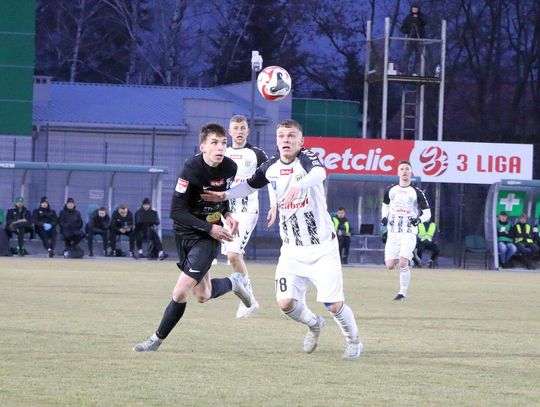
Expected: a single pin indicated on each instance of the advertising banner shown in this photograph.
(433, 161)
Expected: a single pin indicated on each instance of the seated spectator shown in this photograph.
(146, 219)
(18, 221)
(71, 224)
(98, 224)
(505, 244)
(524, 240)
(536, 233)
(122, 224)
(343, 231)
(45, 220)
(425, 241)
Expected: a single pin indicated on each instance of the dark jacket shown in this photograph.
(16, 214)
(146, 219)
(70, 219)
(118, 222)
(97, 223)
(40, 216)
(414, 27)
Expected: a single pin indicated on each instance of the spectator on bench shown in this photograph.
(145, 221)
(71, 224)
(505, 244)
(98, 224)
(45, 221)
(122, 224)
(426, 233)
(524, 240)
(18, 221)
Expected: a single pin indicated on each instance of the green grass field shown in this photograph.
(464, 338)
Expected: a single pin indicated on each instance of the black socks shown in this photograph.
(171, 316)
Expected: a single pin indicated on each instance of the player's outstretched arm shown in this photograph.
(238, 191)
(214, 196)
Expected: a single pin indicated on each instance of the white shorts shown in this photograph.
(399, 245)
(320, 264)
(246, 225)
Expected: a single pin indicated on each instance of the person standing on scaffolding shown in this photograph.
(413, 26)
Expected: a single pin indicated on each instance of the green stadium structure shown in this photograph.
(327, 118)
(17, 45)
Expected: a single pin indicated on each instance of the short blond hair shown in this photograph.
(238, 118)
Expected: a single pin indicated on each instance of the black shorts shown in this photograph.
(196, 255)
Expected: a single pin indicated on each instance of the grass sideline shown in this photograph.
(464, 338)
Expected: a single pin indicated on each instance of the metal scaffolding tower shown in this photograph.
(388, 61)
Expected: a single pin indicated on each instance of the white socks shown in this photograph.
(303, 314)
(346, 322)
(404, 278)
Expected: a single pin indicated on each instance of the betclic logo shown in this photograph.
(359, 156)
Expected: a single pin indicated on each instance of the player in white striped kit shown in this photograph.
(244, 210)
(404, 207)
(310, 250)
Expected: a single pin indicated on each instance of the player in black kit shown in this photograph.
(199, 231)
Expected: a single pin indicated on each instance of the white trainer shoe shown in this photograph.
(241, 289)
(244, 312)
(150, 345)
(353, 350)
(312, 336)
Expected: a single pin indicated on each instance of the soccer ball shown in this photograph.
(274, 83)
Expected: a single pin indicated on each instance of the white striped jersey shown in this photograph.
(404, 205)
(247, 159)
(306, 220)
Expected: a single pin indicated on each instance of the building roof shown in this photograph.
(122, 106)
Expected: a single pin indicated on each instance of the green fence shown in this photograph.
(327, 118)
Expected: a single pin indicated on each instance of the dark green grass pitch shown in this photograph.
(67, 328)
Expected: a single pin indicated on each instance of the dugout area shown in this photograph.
(515, 197)
(91, 185)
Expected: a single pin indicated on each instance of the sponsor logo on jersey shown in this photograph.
(239, 180)
(217, 182)
(213, 217)
(294, 205)
(236, 156)
(402, 212)
(299, 177)
(248, 163)
(181, 185)
(286, 171)
(435, 161)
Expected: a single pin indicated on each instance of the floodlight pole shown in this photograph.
(256, 66)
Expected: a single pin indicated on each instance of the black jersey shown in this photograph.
(193, 217)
